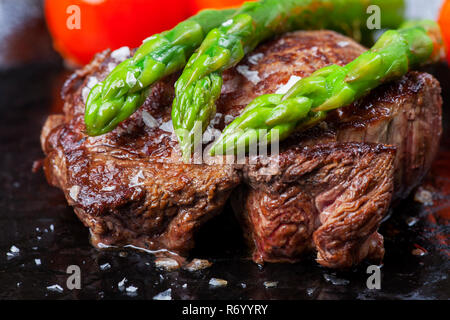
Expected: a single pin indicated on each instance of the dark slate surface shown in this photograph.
(34, 218)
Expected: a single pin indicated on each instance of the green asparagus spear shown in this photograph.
(125, 89)
(226, 45)
(308, 101)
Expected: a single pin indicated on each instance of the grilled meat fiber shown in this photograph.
(332, 187)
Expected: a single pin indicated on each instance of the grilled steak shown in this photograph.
(330, 196)
(332, 185)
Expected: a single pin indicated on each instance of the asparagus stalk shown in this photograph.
(308, 101)
(125, 89)
(226, 45)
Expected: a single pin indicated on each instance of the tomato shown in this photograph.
(81, 28)
(444, 22)
(198, 5)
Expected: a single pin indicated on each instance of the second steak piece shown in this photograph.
(335, 182)
(331, 197)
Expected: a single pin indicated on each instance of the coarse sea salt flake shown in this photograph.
(111, 66)
(423, 196)
(254, 59)
(131, 79)
(121, 54)
(91, 82)
(216, 120)
(55, 288)
(286, 87)
(14, 249)
(343, 44)
(134, 182)
(228, 119)
(85, 93)
(74, 191)
(198, 264)
(165, 295)
(131, 289)
(109, 188)
(167, 126)
(105, 266)
(121, 284)
(214, 282)
(167, 264)
(251, 76)
(270, 284)
(149, 120)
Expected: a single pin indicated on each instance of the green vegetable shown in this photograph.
(255, 22)
(309, 100)
(125, 89)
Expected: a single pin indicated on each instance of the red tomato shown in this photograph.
(444, 22)
(198, 5)
(81, 28)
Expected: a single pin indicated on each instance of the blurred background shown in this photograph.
(105, 24)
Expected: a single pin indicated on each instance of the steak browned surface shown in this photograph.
(331, 185)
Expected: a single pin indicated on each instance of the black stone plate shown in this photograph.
(35, 218)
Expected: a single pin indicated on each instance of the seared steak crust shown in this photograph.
(330, 196)
(333, 185)
(126, 186)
